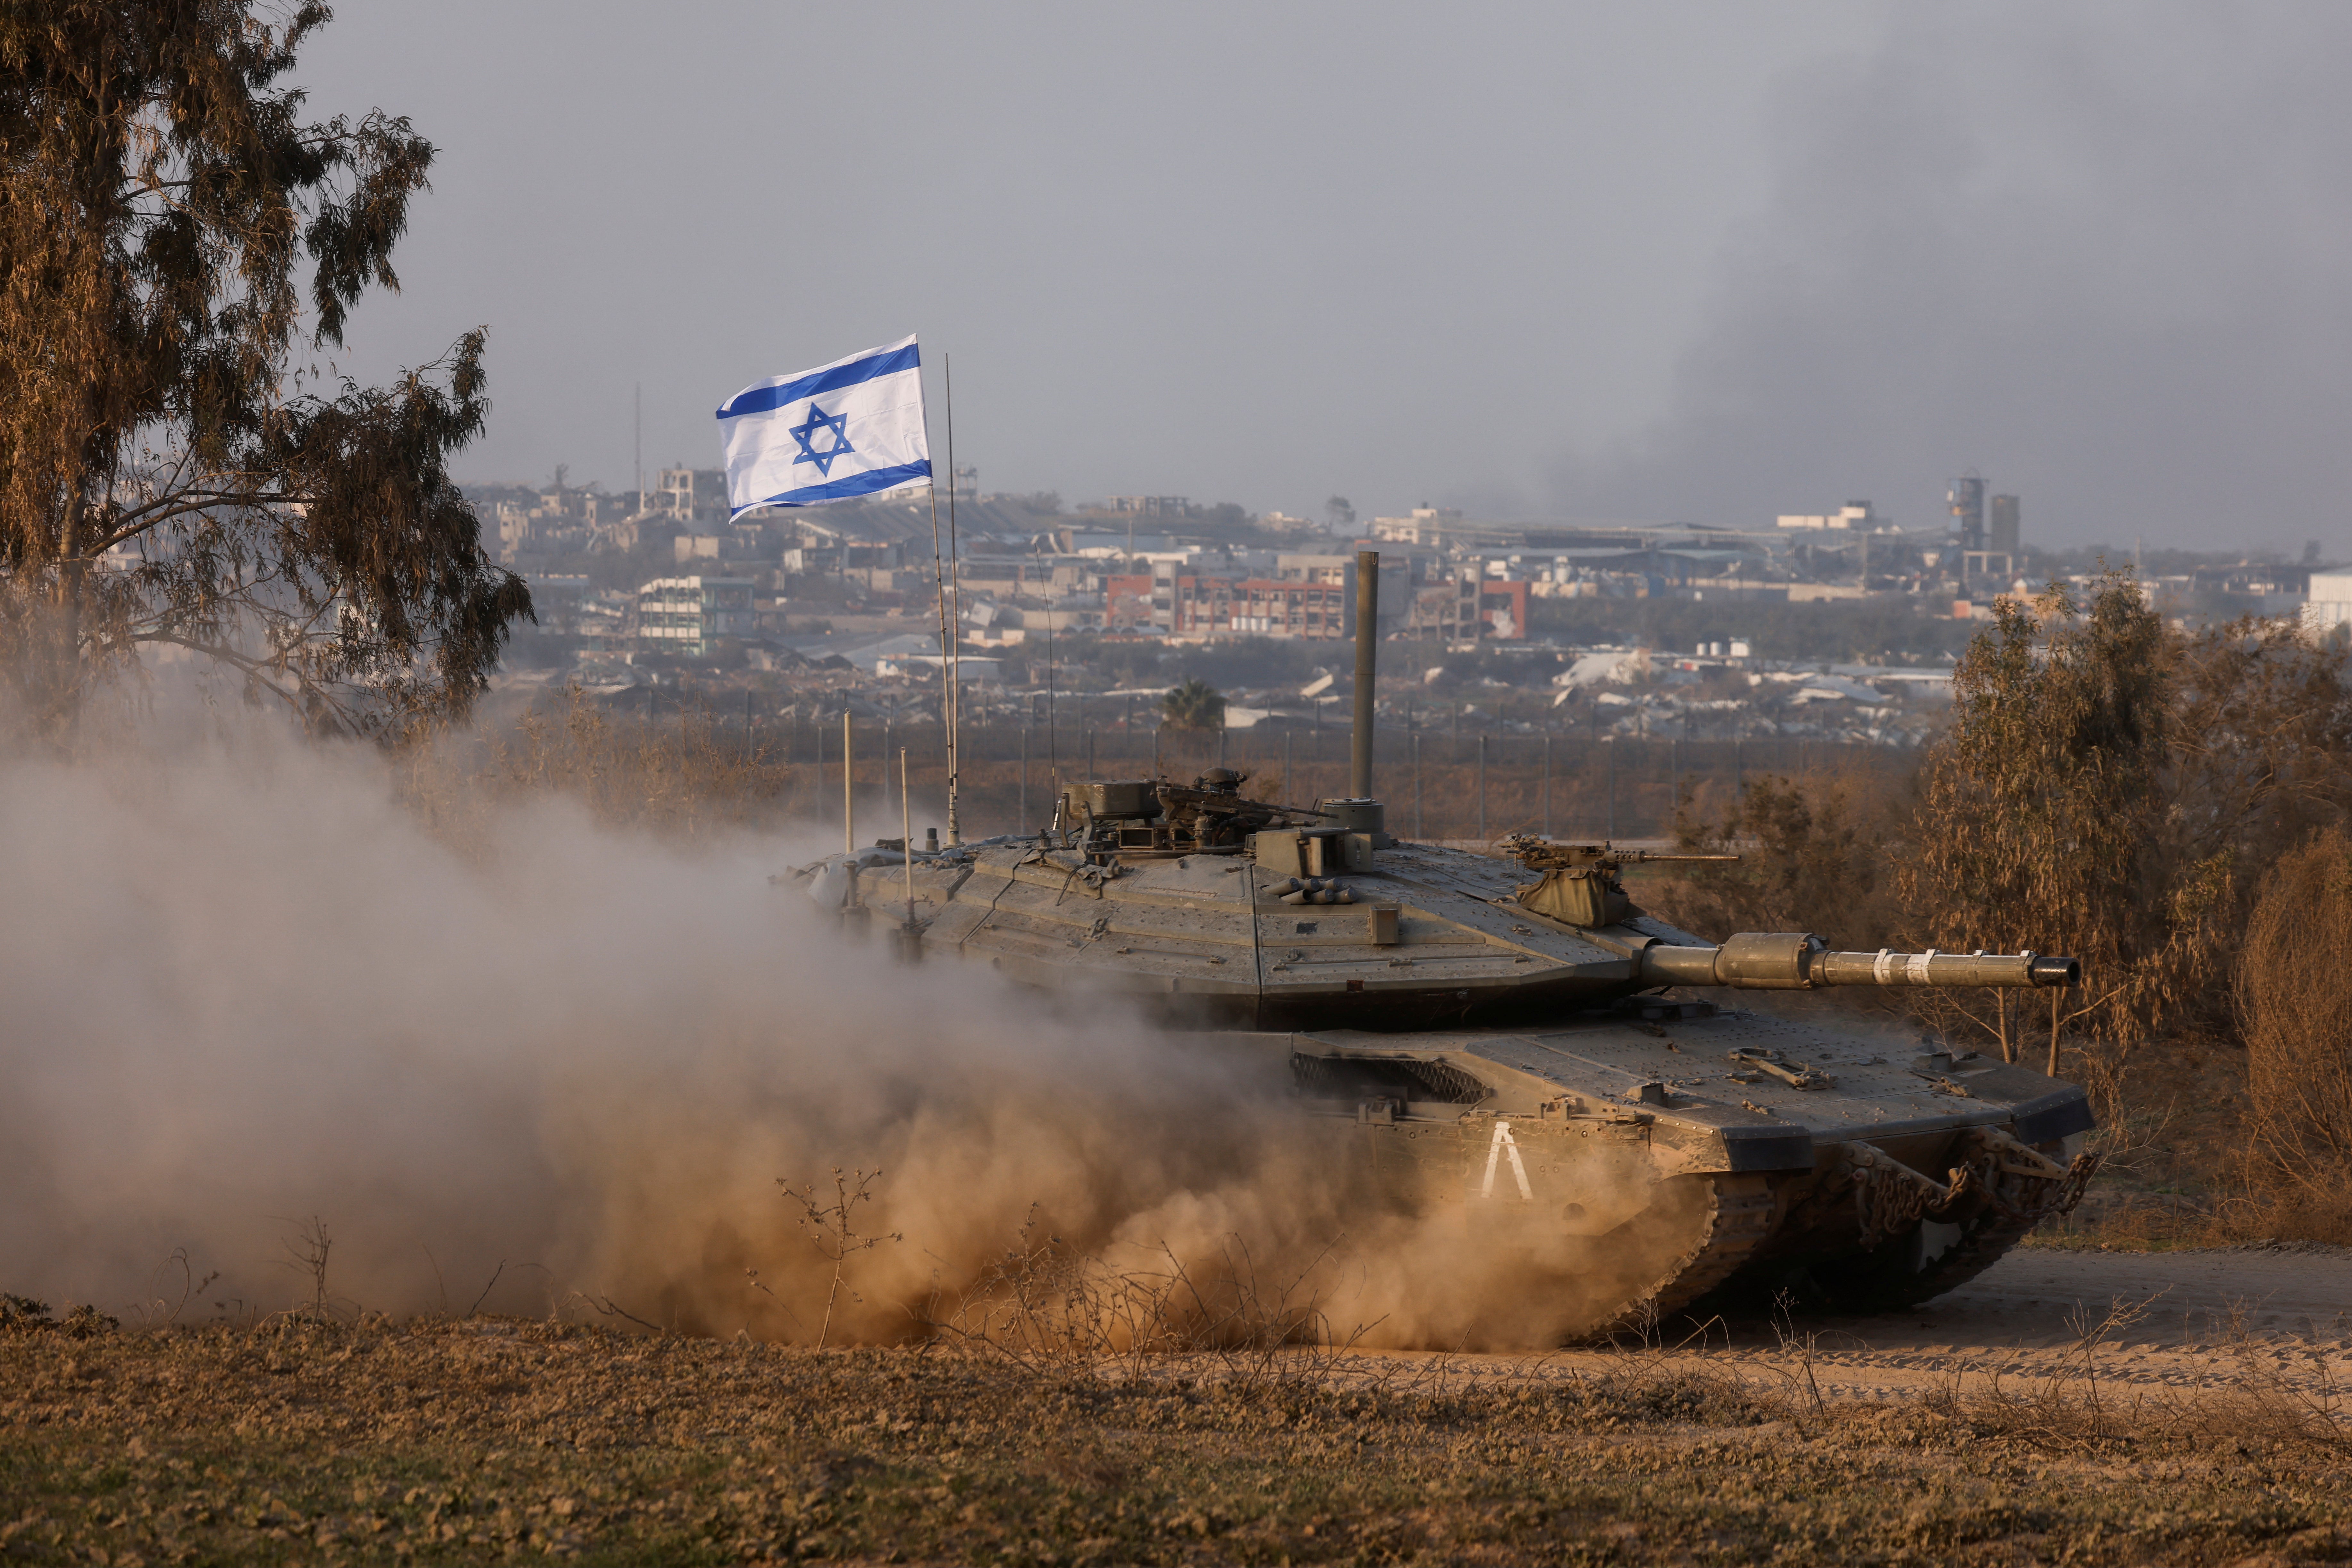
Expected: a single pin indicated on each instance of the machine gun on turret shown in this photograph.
(1580, 885)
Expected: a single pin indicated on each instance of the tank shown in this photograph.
(1513, 1035)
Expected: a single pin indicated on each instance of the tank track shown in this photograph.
(1997, 1226)
(1981, 1246)
(1741, 1215)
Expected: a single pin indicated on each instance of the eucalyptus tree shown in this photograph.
(179, 245)
(2048, 815)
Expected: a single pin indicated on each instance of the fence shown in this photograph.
(1442, 784)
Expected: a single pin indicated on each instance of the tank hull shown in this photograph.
(1886, 1181)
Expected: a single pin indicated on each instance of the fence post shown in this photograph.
(1546, 785)
(1416, 783)
(1612, 834)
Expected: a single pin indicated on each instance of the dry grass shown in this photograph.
(459, 1441)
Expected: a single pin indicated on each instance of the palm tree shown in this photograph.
(1194, 705)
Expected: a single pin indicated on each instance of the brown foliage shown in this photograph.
(689, 776)
(2047, 815)
(2294, 998)
(1810, 861)
(2110, 788)
(166, 474)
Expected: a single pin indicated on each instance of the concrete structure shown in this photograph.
(688, 615)
(2004, 526)
(1469, 606)
(1258, 606)
(1967, 497)
(2329, 604)
(691, 495)
(1425, 525)
(1856, 515)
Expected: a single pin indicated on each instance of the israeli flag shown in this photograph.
(840, 431)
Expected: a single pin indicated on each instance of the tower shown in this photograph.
(1967, 495)
(2003, 529)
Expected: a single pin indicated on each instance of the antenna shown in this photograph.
(637, 449)
(1368, 635)
(955, 641)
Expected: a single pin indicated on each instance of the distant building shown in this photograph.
(2329, 605)
(1469, 606)
(688, 615)
(2004, 527)
(1423, 525)
(1855, 515)
(2000, 556)
(1126, 601)
(1967, 497)
(1258, 606)
(691, 495)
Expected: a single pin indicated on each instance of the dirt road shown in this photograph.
(2252, 1317)
(2227, 1315)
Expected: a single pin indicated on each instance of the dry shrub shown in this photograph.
(680, 776)
(2243, 1395)
(2045, 815)
(1812, 855)
(2106, 783)
(2294, 998)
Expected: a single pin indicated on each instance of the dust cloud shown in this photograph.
(250, 988)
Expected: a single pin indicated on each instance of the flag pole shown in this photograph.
(947, 664)
(955, 641)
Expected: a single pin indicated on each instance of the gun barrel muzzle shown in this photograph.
(1792, 961)
(1932, 968)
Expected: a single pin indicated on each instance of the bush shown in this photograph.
(1811, 858)
(2295, 1001)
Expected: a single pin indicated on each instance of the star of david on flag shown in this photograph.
(842, 430)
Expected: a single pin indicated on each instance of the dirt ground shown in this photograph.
(2258, 1316)
(1995, 1425)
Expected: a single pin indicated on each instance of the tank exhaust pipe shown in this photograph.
(1367, 642)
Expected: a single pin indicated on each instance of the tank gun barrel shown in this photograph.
(1789, 961)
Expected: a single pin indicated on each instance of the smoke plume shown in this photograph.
(2092, 251)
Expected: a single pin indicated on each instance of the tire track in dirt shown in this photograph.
(2246, 1317)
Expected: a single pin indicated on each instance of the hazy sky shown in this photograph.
(1701, 261)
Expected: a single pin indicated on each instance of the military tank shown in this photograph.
(1513, 1035)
